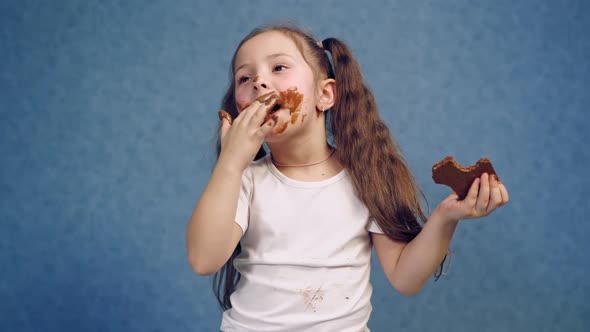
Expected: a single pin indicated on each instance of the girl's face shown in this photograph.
(272, 62)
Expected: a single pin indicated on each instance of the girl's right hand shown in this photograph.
(241, 140)
(486, 194)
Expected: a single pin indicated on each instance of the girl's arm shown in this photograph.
(408, 266)
(212, 234)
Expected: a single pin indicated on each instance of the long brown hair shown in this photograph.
(381, 177)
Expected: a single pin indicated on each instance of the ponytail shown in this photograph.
(226, 280)
(381, 177)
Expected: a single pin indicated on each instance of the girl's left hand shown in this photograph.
(485, 195)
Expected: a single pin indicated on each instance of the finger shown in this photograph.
(504, 193)
(225, 115)
(495, 194)
(246, 114)
(265, 128)
(258, 118)
(224, 128)
(265, 98)
(453, 196)
(249, 112)
(471, 197)
(484, 194)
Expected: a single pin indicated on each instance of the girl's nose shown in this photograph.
(258, 84)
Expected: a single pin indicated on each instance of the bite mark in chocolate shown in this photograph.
(459, 178)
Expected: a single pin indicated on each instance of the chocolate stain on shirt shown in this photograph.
(312, 298)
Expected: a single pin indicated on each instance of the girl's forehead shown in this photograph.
(265, 44)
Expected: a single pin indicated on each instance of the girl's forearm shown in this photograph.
(210, 227)
(421, 257)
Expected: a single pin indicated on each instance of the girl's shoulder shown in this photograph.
(259, 165)
(256, 169)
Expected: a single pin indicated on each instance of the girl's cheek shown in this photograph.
(240, 101)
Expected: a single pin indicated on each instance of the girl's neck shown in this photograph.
(313, 163)
(309, 151)
(324, 165)
(301, 154)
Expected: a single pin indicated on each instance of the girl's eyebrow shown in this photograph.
(276, 55)
(272, 56)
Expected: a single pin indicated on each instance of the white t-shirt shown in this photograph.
(306, 255)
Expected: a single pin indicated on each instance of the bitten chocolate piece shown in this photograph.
(459, 178)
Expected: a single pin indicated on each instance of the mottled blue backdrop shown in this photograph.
(108, 119)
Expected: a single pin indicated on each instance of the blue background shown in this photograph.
(108, 122)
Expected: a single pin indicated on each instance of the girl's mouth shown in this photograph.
(289, 99)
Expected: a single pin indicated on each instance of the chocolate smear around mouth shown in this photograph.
(289, 100)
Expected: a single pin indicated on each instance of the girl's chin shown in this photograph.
(274, 134)
(286, 122)
(278, 131)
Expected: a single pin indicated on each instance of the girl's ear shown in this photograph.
(327, 96)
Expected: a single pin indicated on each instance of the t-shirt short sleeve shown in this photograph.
(243, 209)
(373, 227)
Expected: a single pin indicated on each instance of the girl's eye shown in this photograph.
(243, 79)
(279, 68)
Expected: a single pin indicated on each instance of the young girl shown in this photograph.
(290, 233)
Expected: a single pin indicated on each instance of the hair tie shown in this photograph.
(332, 73)
(332, 69)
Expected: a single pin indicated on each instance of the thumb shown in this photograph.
(453, 196)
